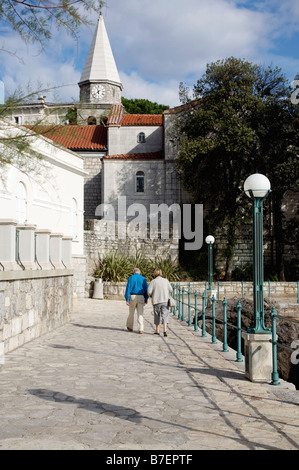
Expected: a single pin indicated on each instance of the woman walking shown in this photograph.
(160, 291)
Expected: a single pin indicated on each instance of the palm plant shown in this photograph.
(116, 267)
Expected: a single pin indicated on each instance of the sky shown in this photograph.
(157, 44)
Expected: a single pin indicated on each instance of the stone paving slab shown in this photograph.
(92, 385)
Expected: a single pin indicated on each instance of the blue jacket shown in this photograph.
(136, 285)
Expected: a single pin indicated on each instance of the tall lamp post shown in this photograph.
(210, 241)
(257, 187)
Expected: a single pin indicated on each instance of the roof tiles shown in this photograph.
(142, 120)
(76, 137)
(116, 114)
(136, 156)
(117, 117)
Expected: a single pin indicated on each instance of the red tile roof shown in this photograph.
(135, 156)
(75, 137)
(142, 120)
(116, 114)
(119, 118)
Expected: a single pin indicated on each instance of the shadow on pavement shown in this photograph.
(86, 404)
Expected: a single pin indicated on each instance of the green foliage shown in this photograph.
(117, 267)
(114, 267)
(142, 106)
(72, 115)
(242, 273)
(32, 19)
(169, 268)
(194, 265)
(245, 123)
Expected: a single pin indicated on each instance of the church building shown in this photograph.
(128, 161)
(127, 156)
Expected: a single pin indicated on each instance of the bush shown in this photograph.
(116, 267)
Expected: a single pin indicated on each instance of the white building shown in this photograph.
(124, 155)
(42, 200)
(42, 264)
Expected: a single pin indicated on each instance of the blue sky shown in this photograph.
(159, 43)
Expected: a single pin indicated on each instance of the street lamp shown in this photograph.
(210, 240)
(257, 187)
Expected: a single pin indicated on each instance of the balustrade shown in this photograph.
(200, 314)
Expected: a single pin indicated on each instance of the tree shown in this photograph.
(33, 19)
(244, 124)
(72, 115)
(142, 106)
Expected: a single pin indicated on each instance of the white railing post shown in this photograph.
(8, 244)
(26, 248)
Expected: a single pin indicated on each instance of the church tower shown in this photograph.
(100, 85)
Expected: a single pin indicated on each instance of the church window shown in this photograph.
(21, 203)
(18, 119)
(141, 138)
(139, 182)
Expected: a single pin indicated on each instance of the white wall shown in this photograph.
(54, 191)
(123, 140)
(119, 180)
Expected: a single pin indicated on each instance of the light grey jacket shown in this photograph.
(159, 290)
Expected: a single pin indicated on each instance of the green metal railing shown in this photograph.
(275, 344)
(240, 288)
(179, 310)
(179, 292)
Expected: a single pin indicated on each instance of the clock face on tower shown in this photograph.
(98, 92)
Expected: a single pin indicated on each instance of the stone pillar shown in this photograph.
(56, 250)
(79, 279)
(67, 251)
(42, 246)
(98, 292)
(258, 356)
(26, 245)
(8, 244)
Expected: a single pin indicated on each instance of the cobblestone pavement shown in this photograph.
(91, 384)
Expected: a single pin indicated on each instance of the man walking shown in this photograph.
(160, 290)
(136, 296)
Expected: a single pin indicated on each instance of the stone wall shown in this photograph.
(275, 290)
(97, 244)
(92, 185)
(79, 278)
(33, 303)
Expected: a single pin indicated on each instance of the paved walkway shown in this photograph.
(93, 385)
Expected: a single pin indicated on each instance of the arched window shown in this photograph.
(21, 203)
(141, 138)
(139, 182)
(73, 219)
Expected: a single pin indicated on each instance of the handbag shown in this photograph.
(171, 302)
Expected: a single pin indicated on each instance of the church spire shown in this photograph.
(100, 65)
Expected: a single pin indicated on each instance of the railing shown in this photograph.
(275, 343)
(239, 288)
(18, 260)
(180, 293)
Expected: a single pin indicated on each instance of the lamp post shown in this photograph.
(257, 187)
(210, 241)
